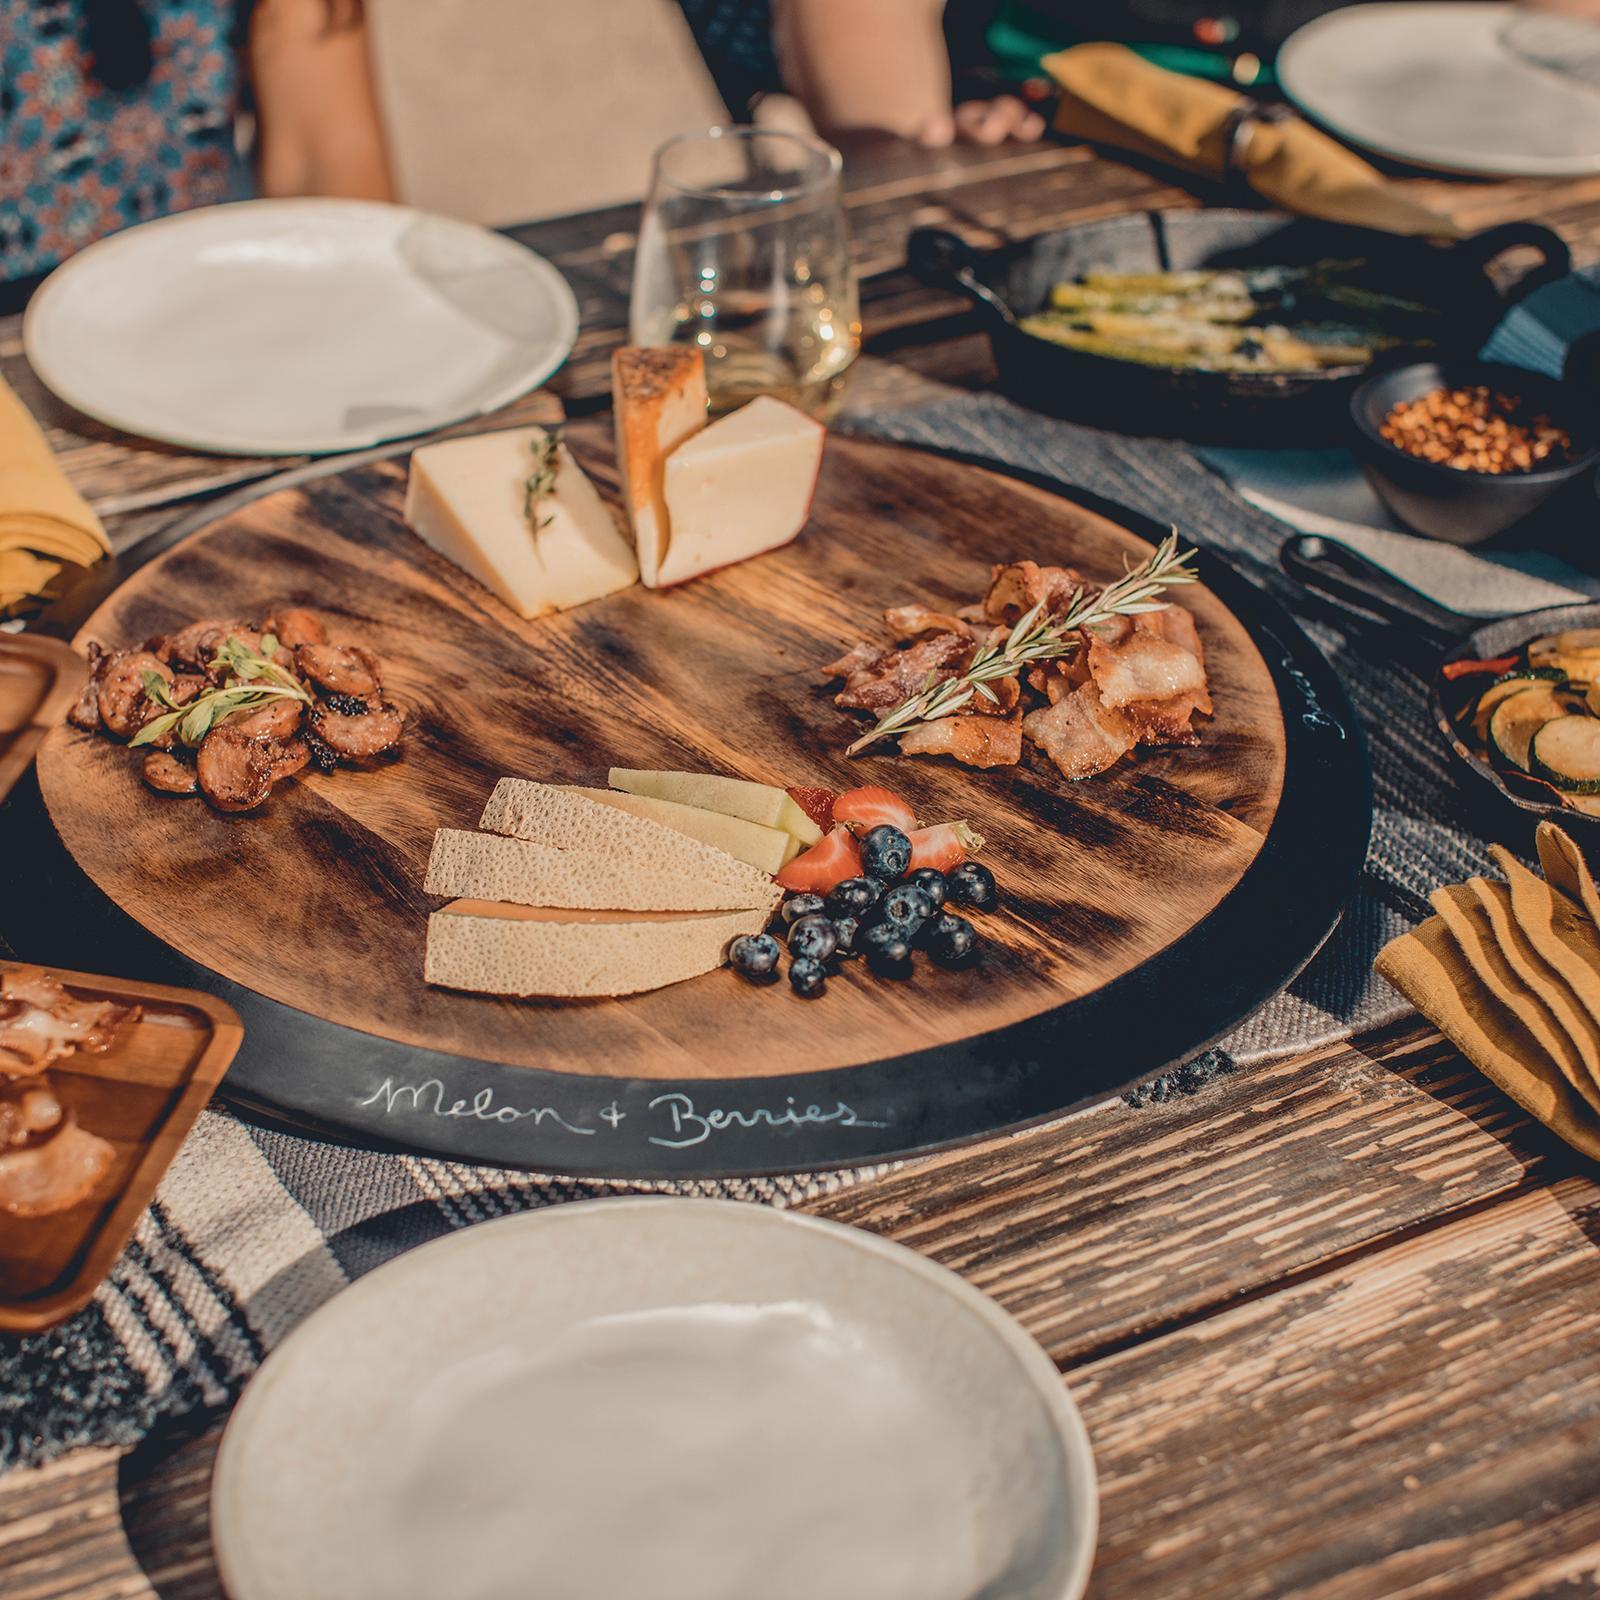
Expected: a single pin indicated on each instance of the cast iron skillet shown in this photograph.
(1243, 408)
(1506, 810)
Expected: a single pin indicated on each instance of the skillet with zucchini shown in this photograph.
(1538, 719)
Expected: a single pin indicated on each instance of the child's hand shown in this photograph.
(984, 122)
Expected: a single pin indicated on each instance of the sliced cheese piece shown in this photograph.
(733, 797)
(658, 395)
(641, 846)
(466, 498)
(739, 487)
(770, 849)
(522, 950)
(490, 866)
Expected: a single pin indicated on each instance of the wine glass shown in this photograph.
(742, 251)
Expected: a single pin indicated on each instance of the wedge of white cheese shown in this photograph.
(658, 396)
(738, 488)
(466, 498)
(522, 950)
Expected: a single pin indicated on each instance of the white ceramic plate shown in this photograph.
(655, 1399)
(286, 327)
(1434, 84)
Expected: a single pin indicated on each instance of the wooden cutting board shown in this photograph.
(317, 901)
(142, 1095)
(39, 680)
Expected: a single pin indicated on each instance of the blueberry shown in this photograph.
(812, 939)
(932, 883)
(854, 897)
(972, 885)
(887, 949)
(886, 853)
(807, 977)
(754, 956)
(907, 907)
(951, 940)
(846, 930)
(800, 905)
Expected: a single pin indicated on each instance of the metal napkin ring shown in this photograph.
(1236, 130)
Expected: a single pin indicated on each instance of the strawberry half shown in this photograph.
(816, 803)
(871, 807)
(822, 866)
(943, 847)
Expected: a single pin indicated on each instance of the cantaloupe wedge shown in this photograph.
(518, 950)
(567, 819)
(490, 866)
(760, 803)
(769, 849)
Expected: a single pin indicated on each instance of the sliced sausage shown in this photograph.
(234, 770)
(123, 704)
(293, 626)
(357, 737)
(167, 773)
(343, 669)
(277, 719)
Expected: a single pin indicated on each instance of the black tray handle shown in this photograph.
(1481, 249)
(1336, 572)
(944, 260)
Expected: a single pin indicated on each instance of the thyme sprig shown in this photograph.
(252, 679)
(1039, 636)
(542, 480)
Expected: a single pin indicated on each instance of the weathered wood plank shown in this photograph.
(1122, 1221)
(1307, 1191)
(1422, 1422)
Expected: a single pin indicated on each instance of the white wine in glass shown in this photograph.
(742, 251)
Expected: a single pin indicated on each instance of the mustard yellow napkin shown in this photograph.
(1112, 96)
(44, 521)
(1510, 973)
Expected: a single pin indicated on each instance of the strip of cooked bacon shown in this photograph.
(27, 1109)
(1007, 694)
(40, 1022)
(893, 675)
(1016, 588)
(1079, 733)
(912, 621)
(973, 741)
(1143, 666)
(37, 1180)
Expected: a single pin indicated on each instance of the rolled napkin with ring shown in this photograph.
(1111, 96)
(1510, 974)
(44, 521)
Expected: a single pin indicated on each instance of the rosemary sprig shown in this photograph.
(1038, 637)
(253, 679)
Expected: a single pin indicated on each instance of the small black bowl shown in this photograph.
(1465, 506)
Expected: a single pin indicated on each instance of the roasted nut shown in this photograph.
(1475, 430)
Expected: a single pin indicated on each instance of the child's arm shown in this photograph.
(319, 129)
(882, 64)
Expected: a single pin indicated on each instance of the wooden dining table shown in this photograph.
(1333, 1322)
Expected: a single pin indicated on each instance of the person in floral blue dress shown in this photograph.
(116, 111)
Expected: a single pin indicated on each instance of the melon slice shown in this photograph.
(492, 948)
(734, 797)
(547, 814)
(488, 866)
(769, 849)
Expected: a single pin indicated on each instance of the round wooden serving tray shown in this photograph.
(1144, 911)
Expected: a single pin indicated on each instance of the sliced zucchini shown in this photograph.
(1591, 698)
(1566, 752)
(1576, 652)
(1504, 687)
(1513, 723)
(1588, 804)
